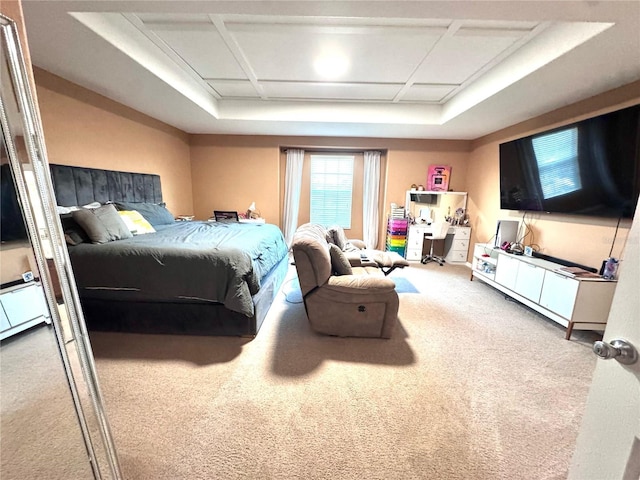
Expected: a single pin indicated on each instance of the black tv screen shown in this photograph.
(591, 167)
(12, 225)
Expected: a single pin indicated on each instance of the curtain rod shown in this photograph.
(336, 149)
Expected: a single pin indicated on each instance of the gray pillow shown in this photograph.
(154, 213)
(339, 262)
(102, 224)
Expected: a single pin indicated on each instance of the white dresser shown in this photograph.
(21, 307)
(456, 244)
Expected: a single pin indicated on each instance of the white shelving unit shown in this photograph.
(440, 202)
(576, 303)
(22, 306)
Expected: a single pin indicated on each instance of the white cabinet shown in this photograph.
(458, 250)
(22, 307)
(576, 303)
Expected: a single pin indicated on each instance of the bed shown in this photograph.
(188, 277)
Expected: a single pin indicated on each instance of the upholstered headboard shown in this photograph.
(81, 186)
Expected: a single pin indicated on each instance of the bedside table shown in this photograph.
(252, 220)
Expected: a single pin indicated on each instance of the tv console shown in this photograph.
(573, 302)
(564, 263)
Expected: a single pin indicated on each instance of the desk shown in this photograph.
(456, 245)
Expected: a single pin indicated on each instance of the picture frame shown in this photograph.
(438, 178)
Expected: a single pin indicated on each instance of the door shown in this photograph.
(608, 445)
(507, 271)
(559, 293)
(529, 281)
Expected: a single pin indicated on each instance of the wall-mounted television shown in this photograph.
(12, 225)
(591, 167)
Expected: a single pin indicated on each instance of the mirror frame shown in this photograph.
(46, 235)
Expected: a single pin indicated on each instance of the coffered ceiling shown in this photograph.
(421, 69)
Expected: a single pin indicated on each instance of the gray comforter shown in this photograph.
(185, 261)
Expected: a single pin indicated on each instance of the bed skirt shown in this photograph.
(184, 318)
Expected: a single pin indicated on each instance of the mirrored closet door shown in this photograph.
(53, 421)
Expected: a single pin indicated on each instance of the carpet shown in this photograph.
(470, 386)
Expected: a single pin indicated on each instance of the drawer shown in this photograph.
(456, 256)
(460, 244)
(396, 243)
(4, 321)
(398, 224)
(462, 233)
(415, 241)
(414, 255)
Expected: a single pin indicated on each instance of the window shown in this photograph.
(557, 159)
(331, 189)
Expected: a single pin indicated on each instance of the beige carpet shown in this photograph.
(471, 386)
(39, 430)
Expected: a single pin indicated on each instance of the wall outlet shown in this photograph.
(27, 276)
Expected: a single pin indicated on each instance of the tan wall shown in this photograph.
(583, 240)
(17, 258)
(85, 129)
(230, 172)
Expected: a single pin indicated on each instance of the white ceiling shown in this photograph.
(421, 69)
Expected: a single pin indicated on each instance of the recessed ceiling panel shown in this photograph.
(459, 57)
(234, 88)
(204, 50)
(329, 91)
(372, 53)
(173, 18)
(427, 93)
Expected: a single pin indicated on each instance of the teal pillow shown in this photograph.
(154, 213)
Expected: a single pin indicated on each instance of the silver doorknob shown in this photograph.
(622, 351)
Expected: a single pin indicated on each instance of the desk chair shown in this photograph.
(439, 231)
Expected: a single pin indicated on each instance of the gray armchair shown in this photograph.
(359, 303)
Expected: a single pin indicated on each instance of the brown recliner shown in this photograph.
(363, 303)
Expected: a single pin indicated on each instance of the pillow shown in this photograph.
(64, 210)
(155, 213)
(339, 237)
(102, 224)
(135, 222)
(73, 233)
(339, 263)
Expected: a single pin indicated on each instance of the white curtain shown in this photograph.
(371, 187)
(293, 184)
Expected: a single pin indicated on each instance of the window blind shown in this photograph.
(557, 159)
(331, 189)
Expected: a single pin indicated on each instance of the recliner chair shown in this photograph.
(438, 232)
(361, 302)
